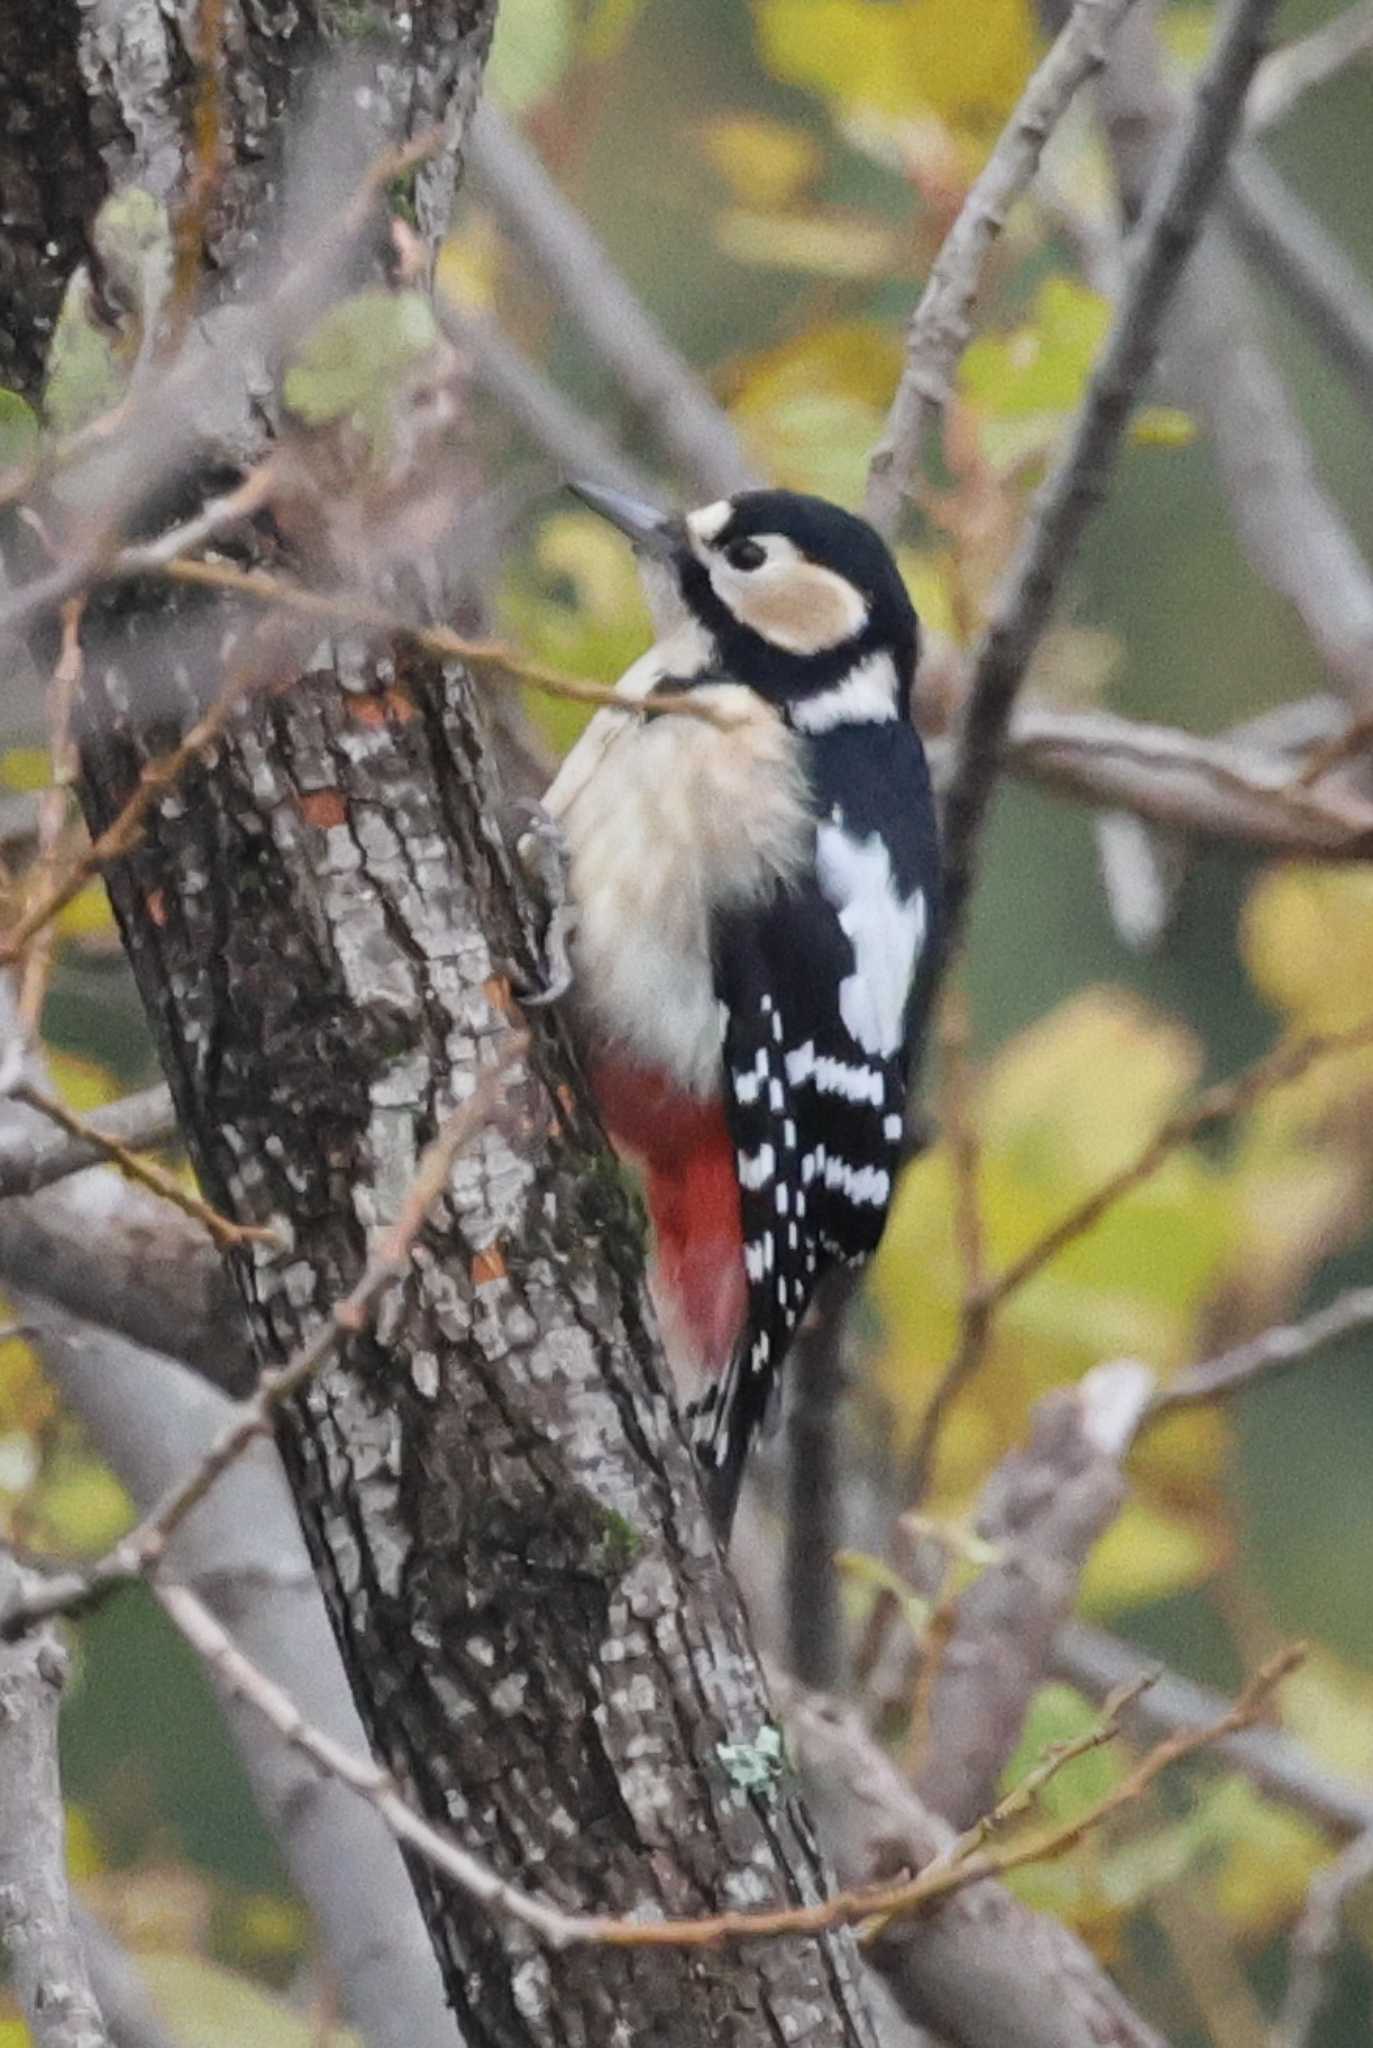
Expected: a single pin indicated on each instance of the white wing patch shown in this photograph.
(886, 930)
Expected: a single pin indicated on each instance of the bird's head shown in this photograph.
(800, 599)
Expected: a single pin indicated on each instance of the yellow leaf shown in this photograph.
(1328, 1705)
(1307, 938)
(830, 244)
(469, 264)
(813, 406)
(1269, 1854)
(1077, 1094)
(268, 1926)
(899, 56)
(1187, 33)
(14, 2034)
(84, 1858)
(209, 2007)
(765, 163)
(88, 915)
(26, 768)
(83, 1506)
(1163, 426)
(1060, 1714)
(1146, 1555)
(608, 28)
(81, 1083)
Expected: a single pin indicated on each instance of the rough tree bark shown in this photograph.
(542, 1642)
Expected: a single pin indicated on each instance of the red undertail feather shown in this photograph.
(687, 1156)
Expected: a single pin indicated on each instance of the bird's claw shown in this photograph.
(541, 849)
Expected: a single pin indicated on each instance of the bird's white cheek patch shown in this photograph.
(796, 605)
(886, 930)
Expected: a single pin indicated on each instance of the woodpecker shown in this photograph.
(755, 897)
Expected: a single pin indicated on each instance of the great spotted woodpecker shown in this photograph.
(754, 899)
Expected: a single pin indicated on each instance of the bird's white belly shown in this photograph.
(677, 820)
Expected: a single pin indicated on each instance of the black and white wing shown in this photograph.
(821, 993)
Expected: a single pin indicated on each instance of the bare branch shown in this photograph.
(489, 656)
(1041, 1512)
(119, 1992)
(1278, 232)
(577, 443)
(941, 325)
(46, 1960)
(1165, 239)
(1292, 532)
(1315, 1939)
(653, 377)
(1218, 789)
(1312, 60)
(815, 1374)
(1274, 1351)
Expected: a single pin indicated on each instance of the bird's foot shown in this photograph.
(541, 849)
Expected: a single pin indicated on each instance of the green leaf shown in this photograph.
(87, 370)
(19, 432)
(348, 367)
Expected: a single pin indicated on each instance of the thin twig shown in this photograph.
(140, 1552)
(1164, 240)
(941, 325)
(871, 1907)
(209, 154)
(1096, 1663)
(440, 641)
(1251, 1704)
(227, 1234)
(1275, 1351)
(137, 1122)
(1023, 1796)
(120, 835)
(1315, 1939)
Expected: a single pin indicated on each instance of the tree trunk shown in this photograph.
(540, 1636)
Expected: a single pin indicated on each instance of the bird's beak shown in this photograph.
(652, 532)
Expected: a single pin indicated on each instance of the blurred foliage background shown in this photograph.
(775, 178)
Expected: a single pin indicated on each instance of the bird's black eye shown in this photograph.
(745, 554)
